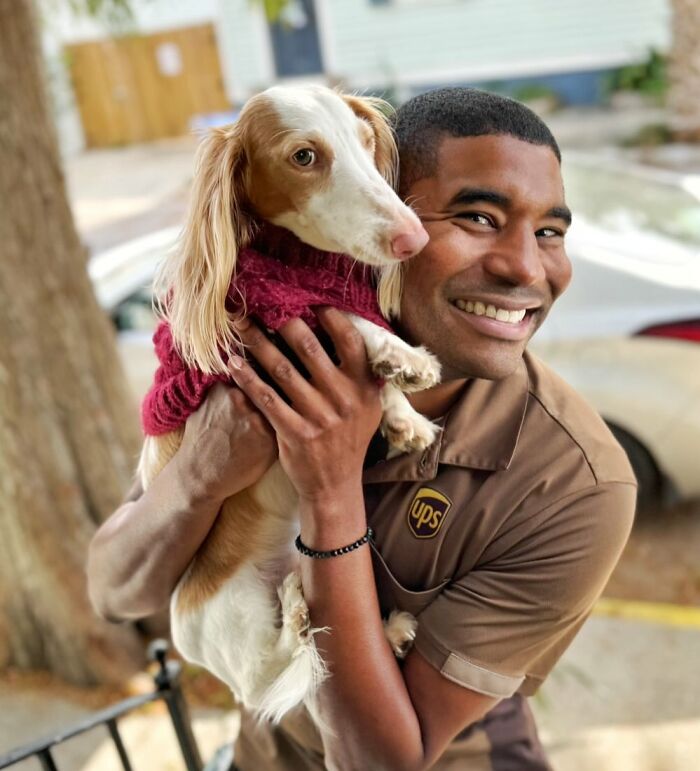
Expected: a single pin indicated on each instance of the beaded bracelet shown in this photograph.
(322, 555)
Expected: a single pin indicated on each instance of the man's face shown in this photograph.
(495, 213)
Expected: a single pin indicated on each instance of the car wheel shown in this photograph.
(645, 469)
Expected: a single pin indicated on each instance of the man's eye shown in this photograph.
(549, 233)
(480, 219)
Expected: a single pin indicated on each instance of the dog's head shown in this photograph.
(322, 166)
(308, 159)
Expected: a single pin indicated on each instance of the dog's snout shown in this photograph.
(408, 242)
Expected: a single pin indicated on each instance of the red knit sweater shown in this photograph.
(280, 278)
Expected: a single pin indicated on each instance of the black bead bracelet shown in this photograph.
(322, 555)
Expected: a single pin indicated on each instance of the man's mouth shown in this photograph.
(496, 321)
(492, 311)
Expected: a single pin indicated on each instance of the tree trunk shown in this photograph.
(68, 432)
(684, 71)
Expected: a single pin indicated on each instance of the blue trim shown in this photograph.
(572, 88)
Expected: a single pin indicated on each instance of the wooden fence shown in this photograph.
(144, 87)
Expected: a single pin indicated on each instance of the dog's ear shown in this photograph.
(198, 276)
(376, 112)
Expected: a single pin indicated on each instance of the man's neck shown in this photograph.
(436, 402)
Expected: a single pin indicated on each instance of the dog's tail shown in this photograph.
(297, 683)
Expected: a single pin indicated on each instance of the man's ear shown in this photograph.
(376, 112)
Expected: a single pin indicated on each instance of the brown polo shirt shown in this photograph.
(500, 537)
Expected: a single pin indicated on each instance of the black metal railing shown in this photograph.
(167, 681)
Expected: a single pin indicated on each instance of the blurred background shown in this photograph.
(101, 106)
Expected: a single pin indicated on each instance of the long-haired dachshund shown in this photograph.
(305, 171)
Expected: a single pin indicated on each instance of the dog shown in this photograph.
(319, 166)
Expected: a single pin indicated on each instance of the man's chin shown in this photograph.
(494, 368)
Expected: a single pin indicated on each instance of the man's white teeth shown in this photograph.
(500, 314)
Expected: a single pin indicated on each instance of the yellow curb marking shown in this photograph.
(654, 612)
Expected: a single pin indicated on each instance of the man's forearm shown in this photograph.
(365, 701)
(138, 555)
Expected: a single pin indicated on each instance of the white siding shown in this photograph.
(245, 49)
(424, 41)
(411, 42)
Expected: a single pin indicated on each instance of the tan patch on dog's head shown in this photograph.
(274, 183)
(373, 113)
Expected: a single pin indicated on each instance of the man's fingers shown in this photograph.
(280, 415)
(302, 394)
(306, 346)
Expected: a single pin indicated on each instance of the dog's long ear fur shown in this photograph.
(198, 276)
(376, 112)
(390, 289)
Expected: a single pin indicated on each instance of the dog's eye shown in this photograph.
(304, 157)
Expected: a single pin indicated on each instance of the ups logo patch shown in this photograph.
(427, 512)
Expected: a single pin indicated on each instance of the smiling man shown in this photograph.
(498, 538)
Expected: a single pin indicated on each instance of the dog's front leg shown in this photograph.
(403, 368)
(409, 368)
(404, 427)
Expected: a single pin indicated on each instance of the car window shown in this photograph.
(135, 312)
(623, 200)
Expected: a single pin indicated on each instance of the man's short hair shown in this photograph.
(423, 121)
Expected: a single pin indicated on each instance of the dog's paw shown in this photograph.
(407, 431)
(295, 612)
(409, 369)
(400, 630)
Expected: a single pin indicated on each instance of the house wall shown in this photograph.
(245, 49)
(424, 42)
(410, 45)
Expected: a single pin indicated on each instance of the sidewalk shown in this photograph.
(623, 698)
(122, 193)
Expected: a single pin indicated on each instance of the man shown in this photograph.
(498, 538)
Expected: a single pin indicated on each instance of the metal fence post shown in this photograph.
(167, 681)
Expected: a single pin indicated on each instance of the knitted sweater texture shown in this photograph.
(278, 278)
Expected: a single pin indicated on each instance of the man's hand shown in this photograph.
(324, 434)
(227, 446)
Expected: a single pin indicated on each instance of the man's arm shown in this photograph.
(383, 716)
(379, 716)
(138, 555)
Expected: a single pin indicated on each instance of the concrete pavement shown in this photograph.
(121, 193)
(624, 697)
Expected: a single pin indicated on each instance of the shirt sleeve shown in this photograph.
(501, 627)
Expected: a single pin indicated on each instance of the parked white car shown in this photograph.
(631, 345)
(626, 334)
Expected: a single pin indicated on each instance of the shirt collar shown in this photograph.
(480, 431)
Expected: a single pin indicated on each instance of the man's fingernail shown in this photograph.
(235, 361)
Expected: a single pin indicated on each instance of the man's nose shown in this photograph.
(515, 257)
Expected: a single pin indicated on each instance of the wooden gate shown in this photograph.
(145, 87)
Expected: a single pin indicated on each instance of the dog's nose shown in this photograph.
(408, 243)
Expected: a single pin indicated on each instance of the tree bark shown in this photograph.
(68, 432)
(684, 71)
